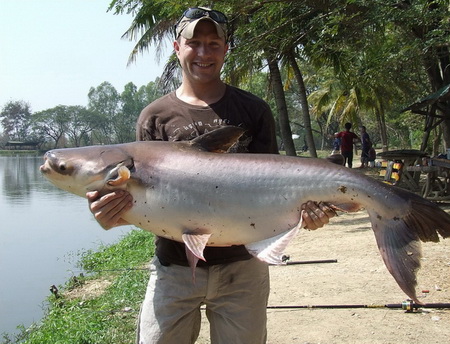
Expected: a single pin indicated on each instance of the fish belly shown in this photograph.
(235, 205)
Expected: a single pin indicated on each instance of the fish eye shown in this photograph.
(130, 165)
(64, 167)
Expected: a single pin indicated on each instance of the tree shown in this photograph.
(16, 117)
(130, 104)
(148, 93)
(280, 100)
(309, 139)
(373, 48)
(132, 101)
(80, 123)
(127, 117)
(51, 124)
(426, 26)
(104, 102)
(152, 23)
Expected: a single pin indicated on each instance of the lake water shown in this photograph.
(42, 232)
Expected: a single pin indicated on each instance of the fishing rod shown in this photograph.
(320, 261)
(408, 306)
(285, 261)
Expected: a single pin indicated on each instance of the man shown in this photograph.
(366, 145)
(336, 145)
(232, 284)
(348, 139)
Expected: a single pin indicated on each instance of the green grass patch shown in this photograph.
(101, 305)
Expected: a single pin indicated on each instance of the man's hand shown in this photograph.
(108, 209)
(316, 215)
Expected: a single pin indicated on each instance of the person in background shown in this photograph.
(366, 145)
(336, 145)
(232, 284)
(348, 139)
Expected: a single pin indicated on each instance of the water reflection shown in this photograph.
(19, 177)
(43, 229)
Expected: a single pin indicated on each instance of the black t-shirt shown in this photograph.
(170, 119)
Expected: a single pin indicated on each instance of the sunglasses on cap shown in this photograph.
(192, 14)
(198, 12)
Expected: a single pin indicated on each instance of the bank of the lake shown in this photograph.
(101, 305)
(42, 232)
(7, 152)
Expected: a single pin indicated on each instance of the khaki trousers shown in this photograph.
(235, 296)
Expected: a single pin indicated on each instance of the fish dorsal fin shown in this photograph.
(271, 250)
(219, 140)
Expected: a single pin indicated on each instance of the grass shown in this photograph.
(101, 306)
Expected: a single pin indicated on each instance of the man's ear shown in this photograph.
(176, 46)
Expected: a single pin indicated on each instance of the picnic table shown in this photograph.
(411, 164)
(437, 184)
(406, 165)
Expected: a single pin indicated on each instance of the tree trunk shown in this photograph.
(437, 66)
(382, 127)
(437, 141)
(304, 105)
(280, 100)
(436, 58)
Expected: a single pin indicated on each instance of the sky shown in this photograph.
(53, 51)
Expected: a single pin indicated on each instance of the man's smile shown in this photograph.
(203, 64)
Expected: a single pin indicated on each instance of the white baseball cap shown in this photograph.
(192, 16)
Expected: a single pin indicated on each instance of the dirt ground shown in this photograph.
(359, 277)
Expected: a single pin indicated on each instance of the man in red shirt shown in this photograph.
(348, 139)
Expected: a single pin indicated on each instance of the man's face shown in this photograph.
(202, 56)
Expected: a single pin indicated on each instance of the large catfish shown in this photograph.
(189, 192)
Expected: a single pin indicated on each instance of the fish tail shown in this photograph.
(400, 250)
(399, 238)
(428, 220)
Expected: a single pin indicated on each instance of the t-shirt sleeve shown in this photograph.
(148, 124)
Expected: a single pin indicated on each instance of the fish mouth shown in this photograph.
(45, 168)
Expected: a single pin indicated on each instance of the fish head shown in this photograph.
(111, 167)
(79, 170)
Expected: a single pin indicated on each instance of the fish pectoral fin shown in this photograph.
(271, 250)
(196, 243)
(192, 261)
(123, 174)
